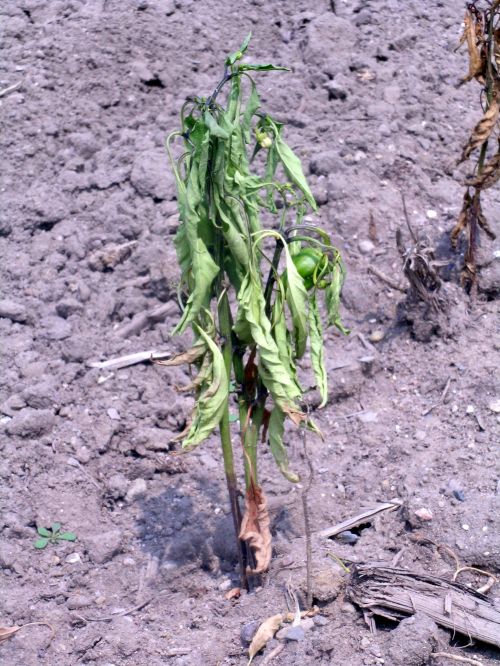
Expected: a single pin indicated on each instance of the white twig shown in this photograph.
(10, 89)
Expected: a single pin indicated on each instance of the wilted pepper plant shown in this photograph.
(252, 274)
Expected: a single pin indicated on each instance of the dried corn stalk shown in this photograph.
(396, 593)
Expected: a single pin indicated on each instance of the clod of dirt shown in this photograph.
(413, 641)
(31, 423)
(327, 582)
(103, 546)
(13, 311)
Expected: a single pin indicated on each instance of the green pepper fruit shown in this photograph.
(306, 261)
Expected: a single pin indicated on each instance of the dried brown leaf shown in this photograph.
(473, 34)
(7, 632)
(483, 223)
(255, 528)
(264, 634)
(489, 175)
(482, 130)
(462, 219)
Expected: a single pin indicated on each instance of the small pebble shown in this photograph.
(466, 527)
(459, 495)
(494, 406)
(366, 246)
(376, 336)
(470, 409)
(431, 214)
(348, 537)
(424, 514)
(73, 558)
(113, 414)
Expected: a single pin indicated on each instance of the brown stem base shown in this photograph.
(236, 513)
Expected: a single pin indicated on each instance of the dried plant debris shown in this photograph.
(9, 632)
(482, 131)
(482, 35)
(255, 528)
(264, 634)
(396, 593)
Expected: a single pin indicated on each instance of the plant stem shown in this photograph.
(225, 434)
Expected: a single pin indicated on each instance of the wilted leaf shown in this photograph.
(473, 35)
(252, 324)
(261, 68)
(212, 399)
(264, 634)
(296, 298)
(317, 350)
(255, 528)
(462, 219)
(292, 166)
(275, 433)
(483, 222)
(481, 131)
(332, 296)
(190, 356)
(490, 174)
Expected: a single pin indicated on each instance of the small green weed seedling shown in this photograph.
(54, 535)
(250, 293)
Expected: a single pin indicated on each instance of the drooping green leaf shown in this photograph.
(214, 128)
(252, 320)
(202, 269)
(41, 543)
(332, 296)
(292, 166)
(213, 397)
(67, 536)
(282, 337)
(317, 350)
(252, 105)
(261, 68)
(296, 299)
(55, 527)
(44, 532)
(275, 433)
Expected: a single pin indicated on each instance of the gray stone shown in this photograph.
(137, 490)
(248, 630)
(31, 423)
(13, 311)
(103, 546)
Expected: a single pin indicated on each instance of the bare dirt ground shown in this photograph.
(372, 109)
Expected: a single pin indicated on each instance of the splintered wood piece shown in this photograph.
(359, 519)
(382, 590)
